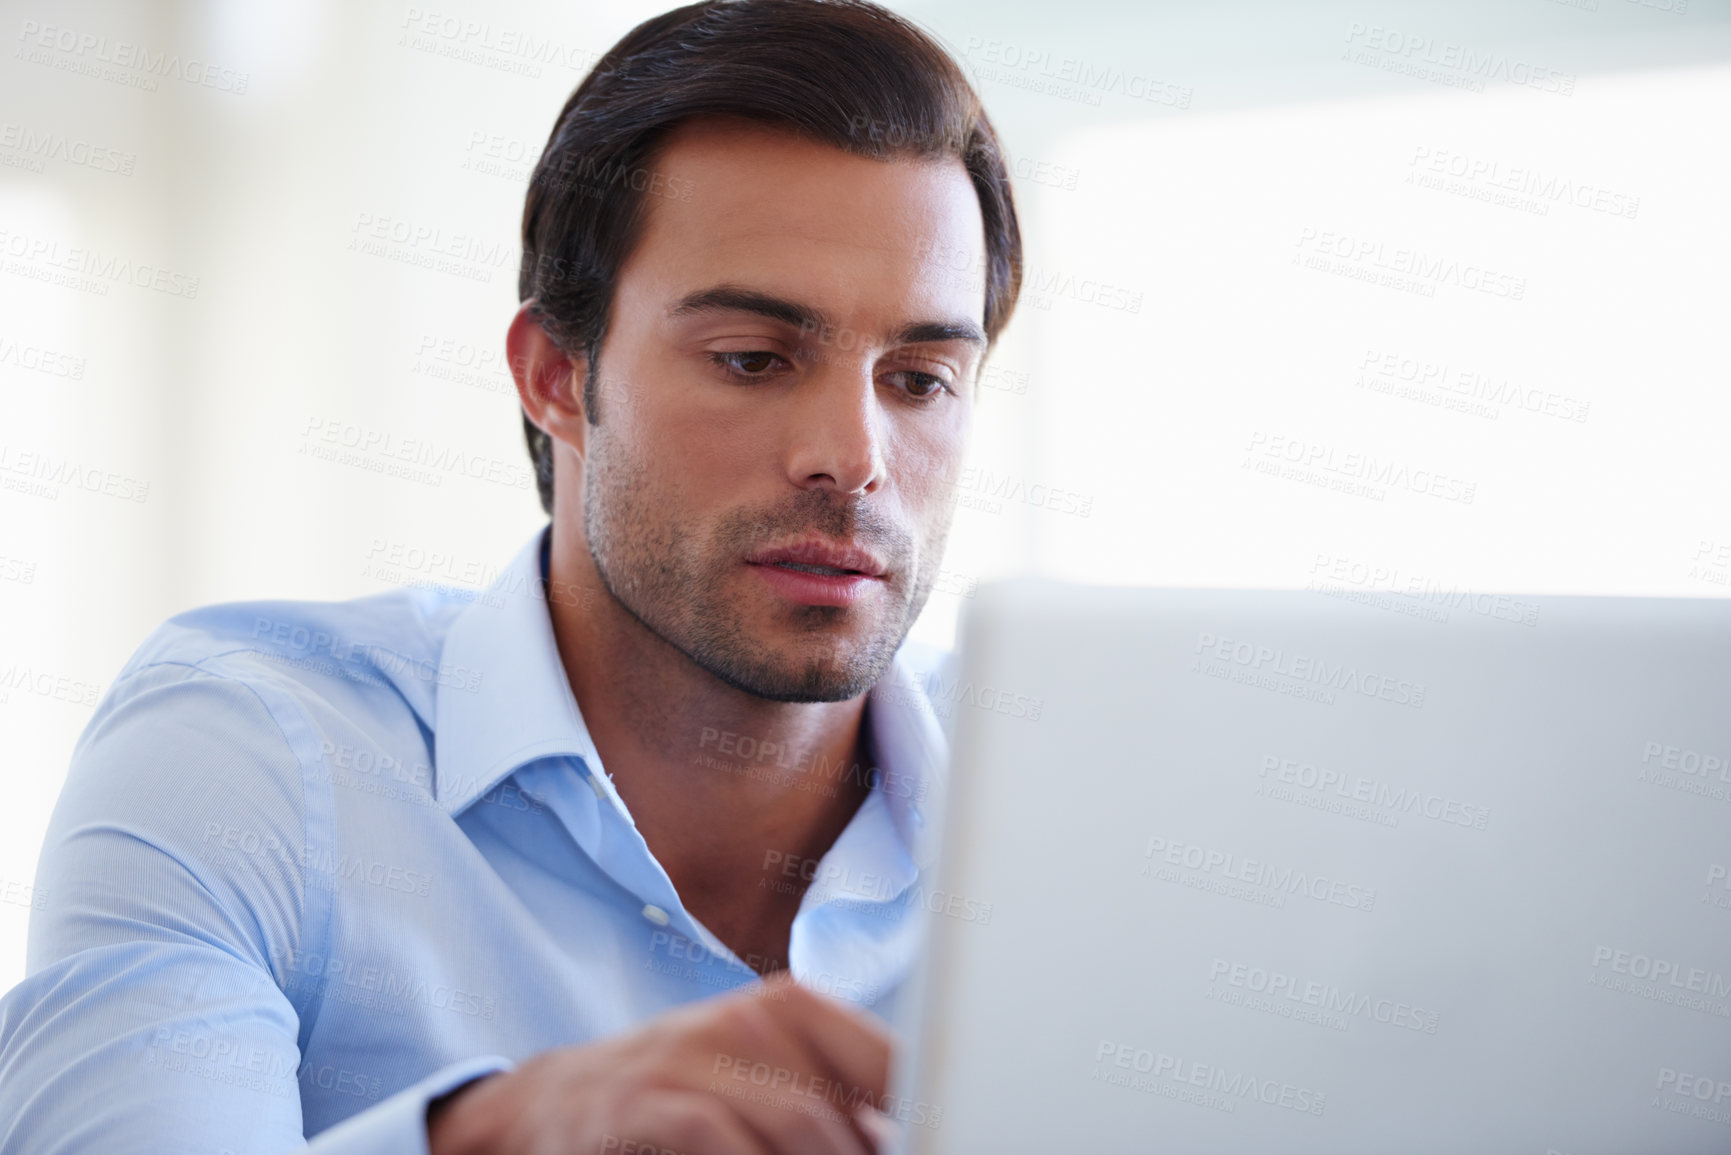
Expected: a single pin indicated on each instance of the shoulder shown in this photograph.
(242, 698)
(383, 643)
(205, 759)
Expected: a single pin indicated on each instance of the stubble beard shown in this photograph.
(676, 578)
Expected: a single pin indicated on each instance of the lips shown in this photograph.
(815, 572)
(821, 558)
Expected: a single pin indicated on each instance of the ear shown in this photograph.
(549, 381)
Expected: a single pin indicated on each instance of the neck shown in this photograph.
(726, 788)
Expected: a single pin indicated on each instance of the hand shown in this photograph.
(776, 1070)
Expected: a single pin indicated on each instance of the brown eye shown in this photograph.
(922, 387)
(748, 363)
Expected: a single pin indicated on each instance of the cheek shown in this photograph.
(718, 447)
(926, 460)
(701, 453)
(683, 472)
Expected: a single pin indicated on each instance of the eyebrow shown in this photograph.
(734, 299)
(924, 332)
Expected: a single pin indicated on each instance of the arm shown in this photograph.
(154, 1016)
(771, 1070)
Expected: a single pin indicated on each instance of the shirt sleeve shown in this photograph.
(153, 1016)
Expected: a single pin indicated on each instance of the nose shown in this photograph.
(836, 437)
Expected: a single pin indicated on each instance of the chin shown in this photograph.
(803, 672)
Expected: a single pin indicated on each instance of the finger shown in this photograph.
(851, 1046)
(760, 1058)
(686, 1122)
(882, 1132)
(799, 1116)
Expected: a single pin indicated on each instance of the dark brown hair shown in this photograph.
(847, 73)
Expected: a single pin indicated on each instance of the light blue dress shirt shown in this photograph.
(316, 863)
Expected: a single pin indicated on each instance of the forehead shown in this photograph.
(745, 203)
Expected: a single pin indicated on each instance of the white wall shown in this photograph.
(1182, 168)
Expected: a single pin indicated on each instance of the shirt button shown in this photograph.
(656, 915)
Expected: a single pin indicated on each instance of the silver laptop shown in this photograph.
(1329, 872)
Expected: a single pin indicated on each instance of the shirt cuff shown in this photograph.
(398, 1125)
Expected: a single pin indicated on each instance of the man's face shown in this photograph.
(785, 391)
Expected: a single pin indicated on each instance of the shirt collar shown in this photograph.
(911, 753)
(504, 701)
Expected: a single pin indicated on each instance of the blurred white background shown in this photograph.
(1303, 277)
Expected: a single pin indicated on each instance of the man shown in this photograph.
(525, 871)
